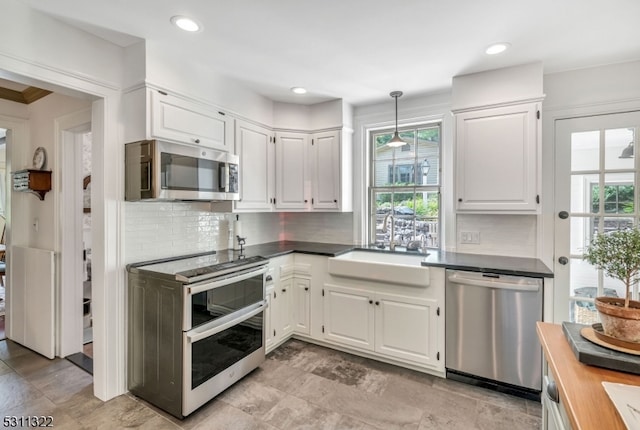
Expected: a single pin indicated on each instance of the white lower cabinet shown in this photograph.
(301, 305)
(393, 325)
(349, 316)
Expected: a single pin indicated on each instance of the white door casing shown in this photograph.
(68, 207)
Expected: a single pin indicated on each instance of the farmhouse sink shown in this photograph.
(384, 267)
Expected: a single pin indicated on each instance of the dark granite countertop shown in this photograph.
(449, 260)
(275, 249)
(503, 265)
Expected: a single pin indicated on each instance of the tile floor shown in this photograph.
(300, 386)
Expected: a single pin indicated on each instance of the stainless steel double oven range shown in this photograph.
(195, 327)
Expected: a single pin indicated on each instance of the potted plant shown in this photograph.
(618, 255)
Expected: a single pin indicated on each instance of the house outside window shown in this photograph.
(405, 183)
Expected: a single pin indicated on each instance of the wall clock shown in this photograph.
(39, 158)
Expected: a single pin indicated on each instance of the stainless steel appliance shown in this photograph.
(491, 331)
(157, 170)
(195, 327)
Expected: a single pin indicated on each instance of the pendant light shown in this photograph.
(627, 152)
(396, 142)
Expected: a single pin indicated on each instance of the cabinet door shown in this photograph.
(301, 305)
(284, 296)
(407, 328)
(269, 326)
(183, 121)
(256, 148)
(325, 170)
(292, 177)
(497, 159)
(348, 316)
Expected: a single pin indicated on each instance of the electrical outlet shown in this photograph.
(470, 237)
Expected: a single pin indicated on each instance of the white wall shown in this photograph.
(27, 207)
(36, 38)
(187, 77)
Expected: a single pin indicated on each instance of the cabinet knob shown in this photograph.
(306, 288)
(284, 290)
(460, 199)
(377, 303)
(197, 140)
(269, 278)
(370, 302)
(306, 201)
(335, 201)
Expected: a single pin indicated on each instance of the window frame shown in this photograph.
(403, 189)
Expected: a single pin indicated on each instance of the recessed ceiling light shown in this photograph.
(497, 48)
(299, 90)
(186, 24)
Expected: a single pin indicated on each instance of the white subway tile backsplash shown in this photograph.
(164, 229)
(512, 235)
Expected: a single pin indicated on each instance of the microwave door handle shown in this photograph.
(215, 327)
(224, 178)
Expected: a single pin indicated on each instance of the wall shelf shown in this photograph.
(37, 182)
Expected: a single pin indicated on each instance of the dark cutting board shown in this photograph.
(589, 353)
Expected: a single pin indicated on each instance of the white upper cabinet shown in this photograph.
(255, 146)
(292, 177)
(154, 114)
(326, 170)
(498, 140)
(497, 159)
(313, 172)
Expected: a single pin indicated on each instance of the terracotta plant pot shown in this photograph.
(618, 321)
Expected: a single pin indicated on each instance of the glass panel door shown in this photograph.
(596, 193)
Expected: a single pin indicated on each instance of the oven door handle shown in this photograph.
(215, 327)
(221, 283)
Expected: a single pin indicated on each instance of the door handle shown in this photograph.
(563, 214)
(563, 260)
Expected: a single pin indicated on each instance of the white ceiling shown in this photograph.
(360, 50)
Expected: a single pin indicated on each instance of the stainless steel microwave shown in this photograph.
(158, 170)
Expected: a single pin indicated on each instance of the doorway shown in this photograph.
(597, 180)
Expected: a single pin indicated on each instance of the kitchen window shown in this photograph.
(404, 187)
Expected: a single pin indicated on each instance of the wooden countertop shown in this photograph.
(586, 402)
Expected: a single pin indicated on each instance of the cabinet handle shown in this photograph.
(197, 140)
(269, 278)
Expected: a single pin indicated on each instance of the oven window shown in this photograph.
(212, 304)
(216, 353)
(180, 172)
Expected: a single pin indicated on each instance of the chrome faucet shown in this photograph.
(392, 241)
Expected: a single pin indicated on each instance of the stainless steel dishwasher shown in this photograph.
(490, 331)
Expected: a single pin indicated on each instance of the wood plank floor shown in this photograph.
(300, 386)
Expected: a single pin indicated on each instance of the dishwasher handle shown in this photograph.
(493, 283)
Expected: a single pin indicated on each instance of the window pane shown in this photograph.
(619, 193)
(617, 152)
(585, 152)
(583, 197)
(381, 150)
(580, 234)
(428, 155)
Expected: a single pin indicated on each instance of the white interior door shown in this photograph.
(596, 192)
(33, 299)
